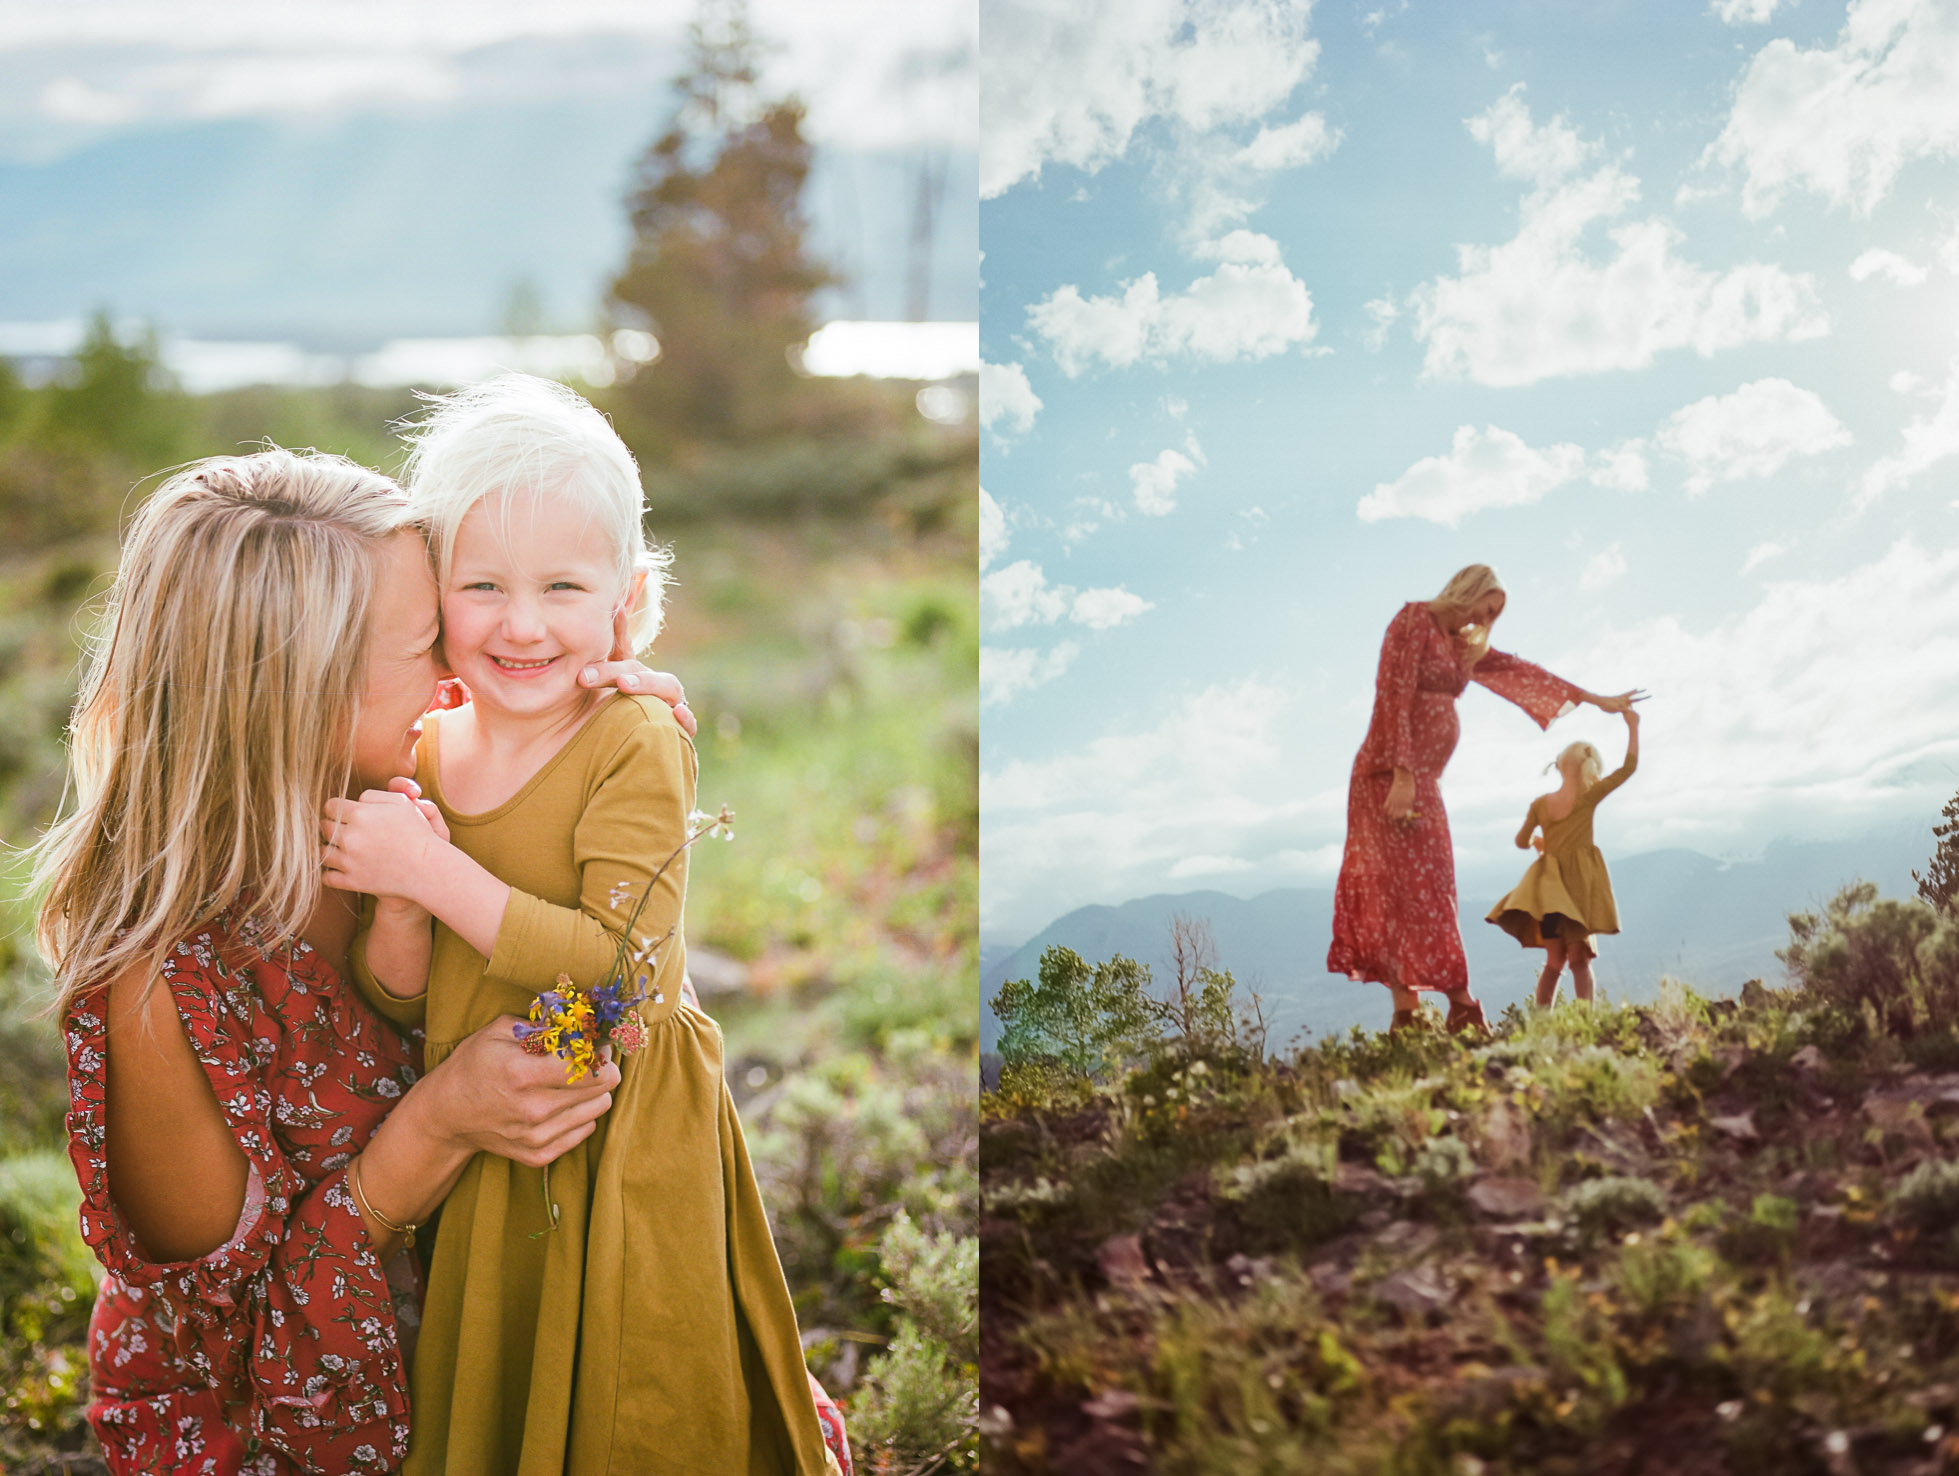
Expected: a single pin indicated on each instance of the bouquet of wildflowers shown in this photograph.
(579, 1025)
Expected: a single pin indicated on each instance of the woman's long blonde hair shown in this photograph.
(1459, 596)
(217, 711)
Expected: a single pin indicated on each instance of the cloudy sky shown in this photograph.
(360, 167)
(1291, 312)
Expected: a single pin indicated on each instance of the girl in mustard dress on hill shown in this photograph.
(1566, 896)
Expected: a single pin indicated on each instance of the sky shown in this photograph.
(1289, 312)
(359, 170)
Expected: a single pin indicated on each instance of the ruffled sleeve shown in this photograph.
(1543, 696)
(292, 1316)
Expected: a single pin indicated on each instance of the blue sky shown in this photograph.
(1291, 312)
(347, 172)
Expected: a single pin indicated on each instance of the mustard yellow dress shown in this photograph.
(1567, 893)
(652, 1332)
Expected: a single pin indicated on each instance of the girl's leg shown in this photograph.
(1581, 973)
(1547, 982)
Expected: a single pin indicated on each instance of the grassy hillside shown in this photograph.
(1686, 1236)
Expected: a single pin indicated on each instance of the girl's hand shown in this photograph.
(1538, 842)
(492, 1096)
(380, 844)
(1401, 796)
(641, 680)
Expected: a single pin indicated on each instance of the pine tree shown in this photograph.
(1939, 885)
(720, 269)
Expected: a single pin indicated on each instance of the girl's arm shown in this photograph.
(1530, 824)
(634, 820)
(1625, 771)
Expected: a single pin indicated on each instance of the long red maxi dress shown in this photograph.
(1394, 909)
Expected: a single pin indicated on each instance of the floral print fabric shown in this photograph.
(278, 1352)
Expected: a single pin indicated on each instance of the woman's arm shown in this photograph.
(178, 1173)
(1394, 703)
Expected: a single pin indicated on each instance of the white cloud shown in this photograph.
(993, 534)
(1154, 483)
(1879, 262)
(1751, 433)
(1103, 609)
(1006, 672)
(1071, 81)
(1020, 594)
(1842, 121)
(1743, 12)
(1118, 816)
(1606, 567)
(1487, 468)
(1620, 468)
(874, 73)
(1007, 398)
(1542, 304)
(1305, 140)
(1381, 314)
(1761, 553)
(1929, 438)
(1251, 307)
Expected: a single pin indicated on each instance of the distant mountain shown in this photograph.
(1714, 924)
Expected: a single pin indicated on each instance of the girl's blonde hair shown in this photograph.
(1591, 766)
(521, 434)
(1459, 596)
(217, 712)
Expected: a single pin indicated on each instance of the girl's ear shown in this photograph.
(622, 641)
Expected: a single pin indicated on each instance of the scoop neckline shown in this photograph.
(483, 817)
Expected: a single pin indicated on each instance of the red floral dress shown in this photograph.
(276, 1353)
(1394, 909)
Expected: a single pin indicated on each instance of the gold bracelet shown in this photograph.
(406, 1232)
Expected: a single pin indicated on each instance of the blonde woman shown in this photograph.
(1394, 907)
(237, 1112)
(1565, 898)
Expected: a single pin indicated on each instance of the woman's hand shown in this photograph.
(493, 1096)
(381, 843)
(1401, 796)
(1621, 703)
(641, 680)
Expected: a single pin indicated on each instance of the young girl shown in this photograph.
(643, 1324)
(1566, 896)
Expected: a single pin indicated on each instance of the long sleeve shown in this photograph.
(1540, 694)
(1394, 686)
(1613, 780)
(634, 823)
(1530, 824)
(407, 1011)
(293, 1314)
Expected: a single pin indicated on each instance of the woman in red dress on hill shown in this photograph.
(1394, 909)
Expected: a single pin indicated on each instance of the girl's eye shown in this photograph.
(480, 584)
(566, 584)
